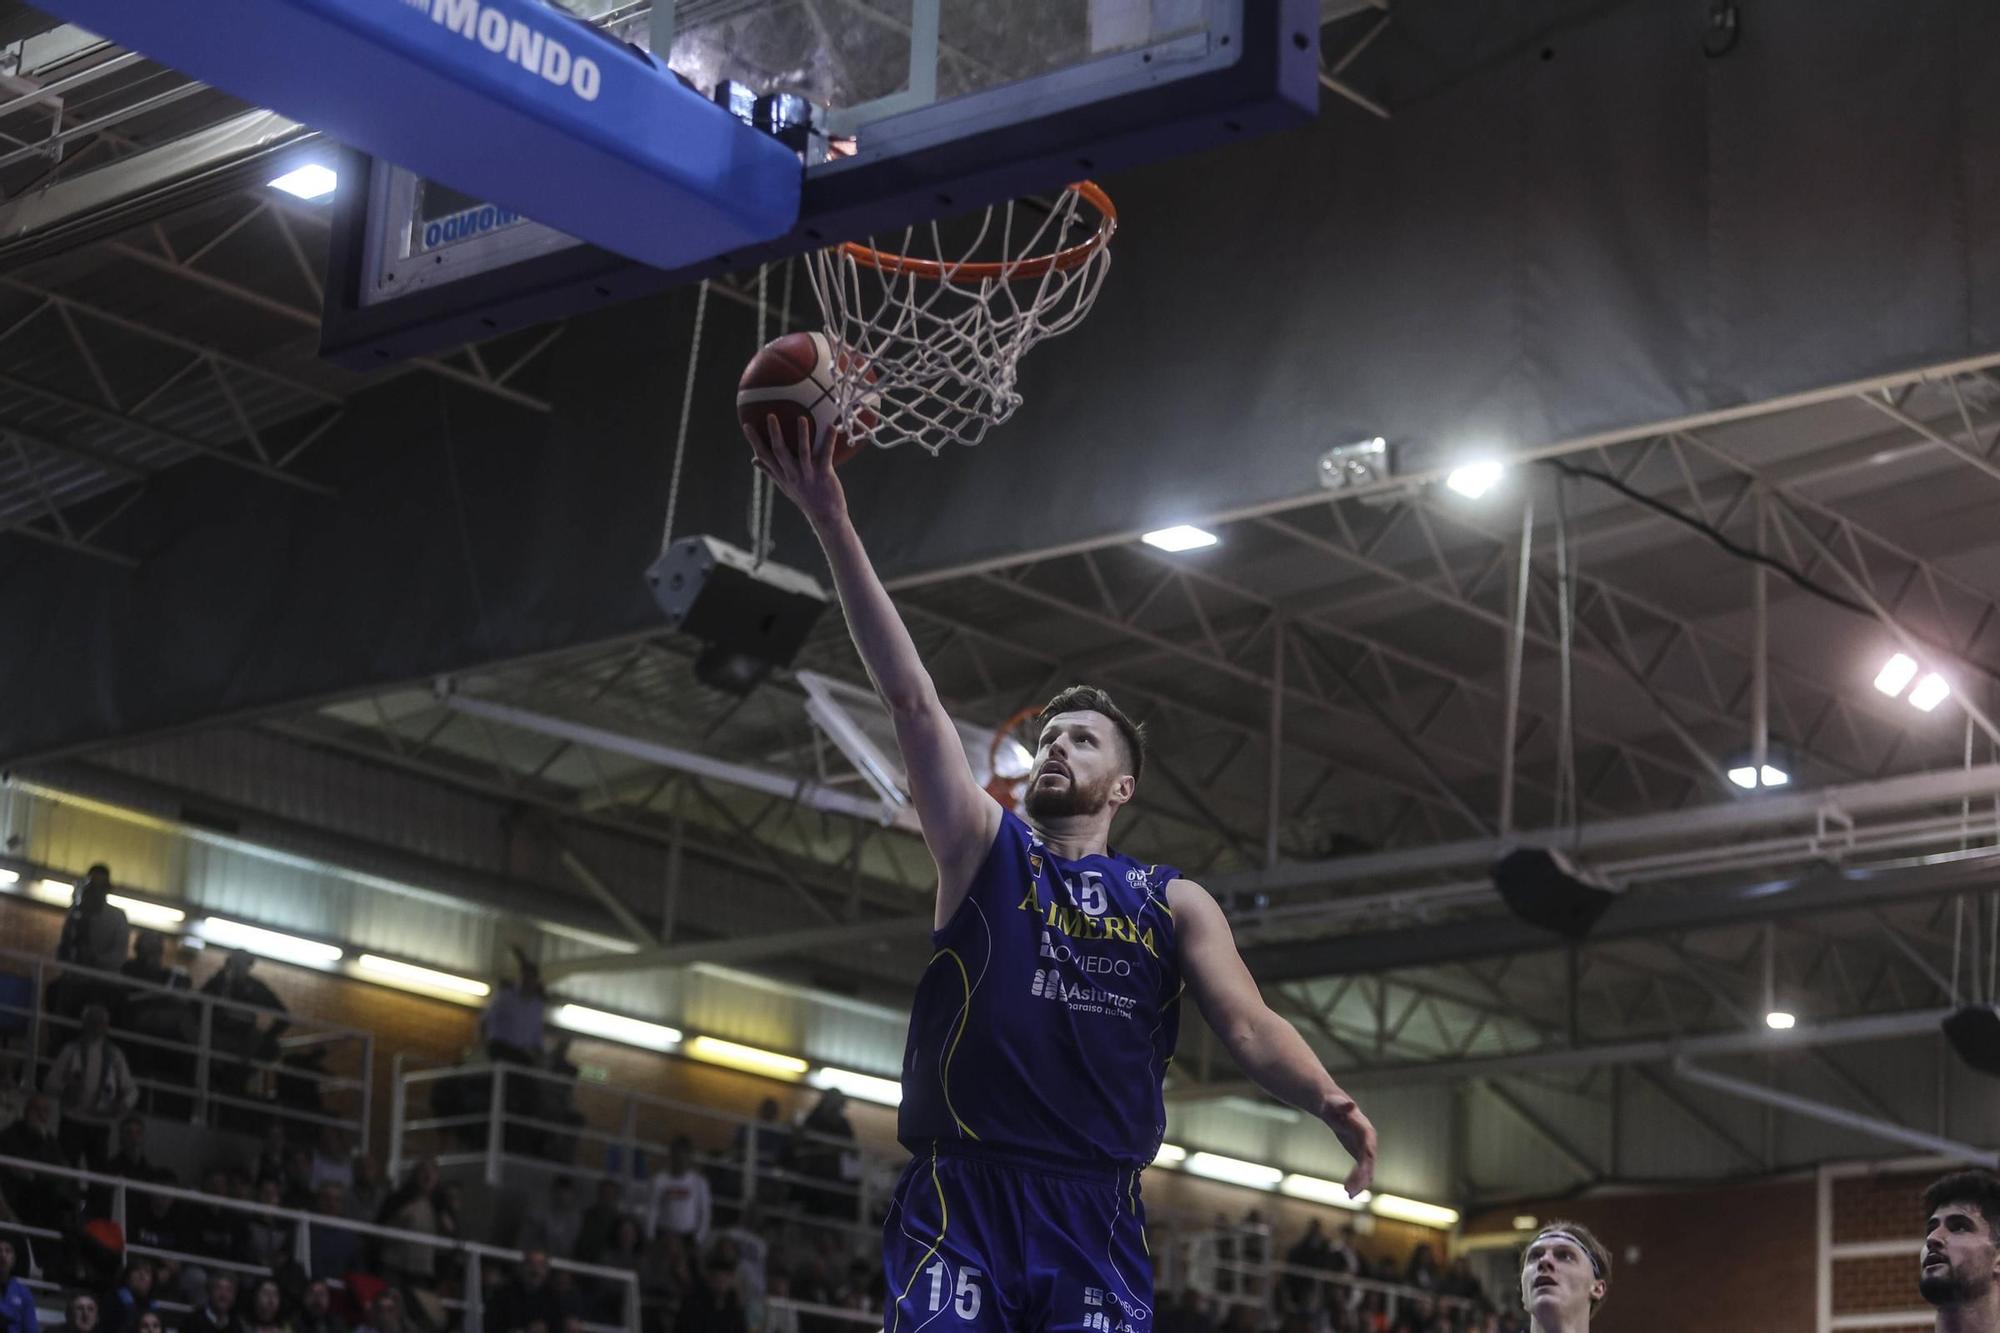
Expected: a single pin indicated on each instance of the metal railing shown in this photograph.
(475, 1254)
(252, 1086)
(509, 1121)
(1207, 1262)
(781, 1315)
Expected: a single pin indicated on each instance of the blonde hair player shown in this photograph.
(1565, 1276)
(1959, 1267)
(1044, 1021)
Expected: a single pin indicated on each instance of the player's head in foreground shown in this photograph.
(1565, 1276)
(1087, 758)
(1959, 1267)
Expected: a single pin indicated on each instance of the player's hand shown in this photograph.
(1356, 1135)
(800, 469)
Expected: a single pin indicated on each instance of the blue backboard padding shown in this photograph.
(511, 101)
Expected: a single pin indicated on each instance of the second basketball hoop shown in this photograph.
(942, 316)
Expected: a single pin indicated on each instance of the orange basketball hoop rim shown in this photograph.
(1012, 270)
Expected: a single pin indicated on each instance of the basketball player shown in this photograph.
(1565, 1276)
(1044, 1021)
(1959, 1269)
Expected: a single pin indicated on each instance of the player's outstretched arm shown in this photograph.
(1264, 1046)
(959, 819)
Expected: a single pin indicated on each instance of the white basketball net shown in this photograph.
(939, 337)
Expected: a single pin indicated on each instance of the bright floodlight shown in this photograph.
(1744, 777)
(1748, 777)
(1473, 480)
(1895, 674)
(1180, 537)
(1779, 1021)
(311, 181)
(1930, 692)
(1775, 777)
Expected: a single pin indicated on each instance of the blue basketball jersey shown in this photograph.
(1045, 1019)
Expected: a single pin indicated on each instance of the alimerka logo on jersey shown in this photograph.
(1080, 925)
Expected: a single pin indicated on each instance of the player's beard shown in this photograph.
(1944, 1287)
(1067, 799)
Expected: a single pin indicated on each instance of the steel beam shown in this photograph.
(738, 949)
(1885, 1130)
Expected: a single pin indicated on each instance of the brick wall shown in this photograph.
(1730, 1259)
(1881, 1206)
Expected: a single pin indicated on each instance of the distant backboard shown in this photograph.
(922, 108)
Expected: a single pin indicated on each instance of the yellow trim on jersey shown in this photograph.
(964, 1017)
(944, 1224)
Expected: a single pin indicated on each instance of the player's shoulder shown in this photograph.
(1184, 895)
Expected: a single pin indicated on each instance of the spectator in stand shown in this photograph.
(1309, 1253)
(773, 1154)
(296, 1180)
(334, 1251)
(677, 1199)
(552, 1225)
(269, 1236)
(664, 1281)
(594, 1231)
(1344, 1258)
(753, 1261)
(80, 1313)
(331, 1161)
(367, 1193)
(93, 935)
(316, 1313)
(385, 1314)
(130, 1160)
(132, 1297)
(217, 1311)
(17, 1303)
(267, 1309)
(234, 1032)
(1422, 1271)
(715, 1305)
(211, 1230)
(40, 1200)
(825, 1139)
(776, 1319)
(1256, 1251)
(512, 1025)
(413, 1207)
(528, 1300)
(149, 1322)
(95, 1086)
(558, 1100)
(157, 1226)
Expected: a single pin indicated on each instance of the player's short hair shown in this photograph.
(1600, 1257)
(1091, 699)
(1979, 1188)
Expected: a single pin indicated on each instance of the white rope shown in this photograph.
(687, 405)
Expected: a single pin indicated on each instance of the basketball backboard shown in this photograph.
(919, 109)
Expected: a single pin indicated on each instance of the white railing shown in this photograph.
(615, 1121)
(474, 1253)
(1198, 1263)
(781, 1315)
(261, 1088)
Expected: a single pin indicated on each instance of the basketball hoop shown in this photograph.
(940, 325)
(1002, 787)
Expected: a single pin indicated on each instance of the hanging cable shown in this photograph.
(687, 406)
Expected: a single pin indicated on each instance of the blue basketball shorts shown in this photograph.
(987, 1242)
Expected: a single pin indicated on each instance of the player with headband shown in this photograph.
(1565, 1275)
(1044, 1021)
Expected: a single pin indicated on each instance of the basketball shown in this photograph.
(795, 376)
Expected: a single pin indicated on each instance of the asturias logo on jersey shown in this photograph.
(517, 42)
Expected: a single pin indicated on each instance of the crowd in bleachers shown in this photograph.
(749, 1231)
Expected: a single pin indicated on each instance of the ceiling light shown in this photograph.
(1180, 537)
(59, 892)
(311, 181)
(1233, 1170)
(142, 913)
(617, 1027)
(864, 1087)
(10, 877)
(749, 1059)
(1473, 480)
(411, 977)
(1170, 1154)
(1410, 1210)
(1775, 777)
(1746, 776)
(1780, 1021)
(1930, 692)
(1525, 1222)
(1895, 675)
(269, 943)
(1329, 1192)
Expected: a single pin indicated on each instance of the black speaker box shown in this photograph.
(1974, 1032)
(750, 616)
(1544, 888)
